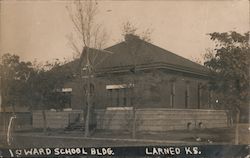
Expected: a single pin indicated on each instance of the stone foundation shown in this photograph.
(160, 119)
(55, 120)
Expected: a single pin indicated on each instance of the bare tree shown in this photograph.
(87, 34)
(132, 34)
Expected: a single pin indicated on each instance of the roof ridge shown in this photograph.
(114, 45)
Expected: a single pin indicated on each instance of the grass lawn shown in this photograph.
(221, 135)
(59, 138)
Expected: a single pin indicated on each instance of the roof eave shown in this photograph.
(120, 69)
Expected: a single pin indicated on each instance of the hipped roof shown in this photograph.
(120, 58)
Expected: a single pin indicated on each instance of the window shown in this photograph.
(63, 97)
(66, 99)
(125, 96)
(210, 96)
(172, 94)
(117, 97)
(199, 95)
(110, 97)
(120, 95)
(187, 95)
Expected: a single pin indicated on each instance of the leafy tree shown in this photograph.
(15, 77)
(34, 86)
(14, 84)
(47, 80)
(229, 64)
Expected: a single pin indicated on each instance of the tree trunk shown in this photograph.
(3, 97)
(134, 123)
(86, 134)
(88, 91)
(44, 122)
(236, 140)
(4, 123)
(134, 101)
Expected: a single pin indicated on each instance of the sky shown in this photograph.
(39, 29)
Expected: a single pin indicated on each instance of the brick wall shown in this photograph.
(152, 90)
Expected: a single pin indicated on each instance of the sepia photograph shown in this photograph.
(124, 78)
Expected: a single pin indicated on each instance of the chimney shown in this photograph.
(131, 37)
